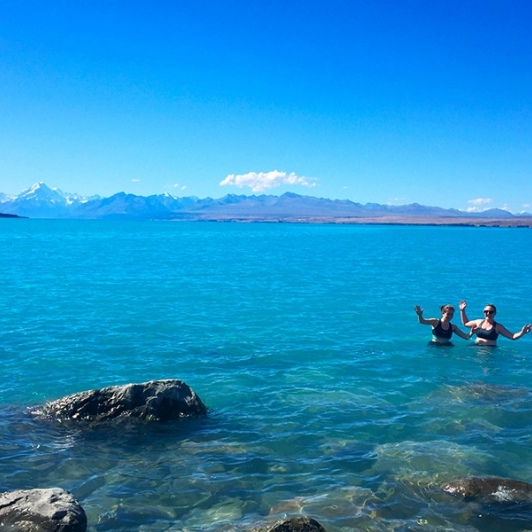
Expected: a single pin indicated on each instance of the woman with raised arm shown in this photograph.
(442, 328)
(487, 329)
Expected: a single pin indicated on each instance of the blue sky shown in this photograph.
(384, 101)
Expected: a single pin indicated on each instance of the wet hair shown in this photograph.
(443, 308)
(492, 306)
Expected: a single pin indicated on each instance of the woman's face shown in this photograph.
(489, 312)
(448, 312)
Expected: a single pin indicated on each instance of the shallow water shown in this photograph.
(324, 397)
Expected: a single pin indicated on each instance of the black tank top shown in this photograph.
(488, 334)
(440, 332)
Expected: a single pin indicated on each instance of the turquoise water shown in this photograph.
(324, 397)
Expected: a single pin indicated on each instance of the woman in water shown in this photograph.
(442, 328)
(487, 329)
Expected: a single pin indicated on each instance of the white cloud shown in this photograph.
(396, 201)
(176, 186)
(135, 180)
(479, 201)
(477, 204)
(259, 181)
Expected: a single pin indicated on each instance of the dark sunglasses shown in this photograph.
(489, 312)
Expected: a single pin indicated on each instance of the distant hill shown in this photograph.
(3, 215)
(41, 201)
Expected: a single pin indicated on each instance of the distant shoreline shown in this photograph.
(449, 221)
(446, 221)
(524, 222)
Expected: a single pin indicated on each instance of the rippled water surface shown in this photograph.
(324, 397)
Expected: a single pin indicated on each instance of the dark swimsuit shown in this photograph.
(440, 332)
(488, 334)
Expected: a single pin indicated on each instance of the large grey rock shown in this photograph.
(491, 489)
(295, 524)
(41, 510)
(161, 400)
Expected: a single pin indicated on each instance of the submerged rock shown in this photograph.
(295, 524)
(491, 489)
(41, 510)
(161, 400)
(482, 392)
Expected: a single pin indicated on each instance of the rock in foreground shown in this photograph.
(162, 400)
(296, 524)
(41, 510)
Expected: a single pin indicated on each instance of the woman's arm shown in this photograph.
(421, 319)
(463, 315)
(501, 329)
(462, 334)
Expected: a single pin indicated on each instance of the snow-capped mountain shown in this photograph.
(41, 192)
(5, 197)
(41, 201)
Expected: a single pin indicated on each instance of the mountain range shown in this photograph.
(41, 201)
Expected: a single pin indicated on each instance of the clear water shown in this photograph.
(324, 397)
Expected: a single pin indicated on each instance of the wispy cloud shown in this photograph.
(178, 186)
(478, 204)
(259, 181)
(174, 187)
(135, 180)
(396, 201)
